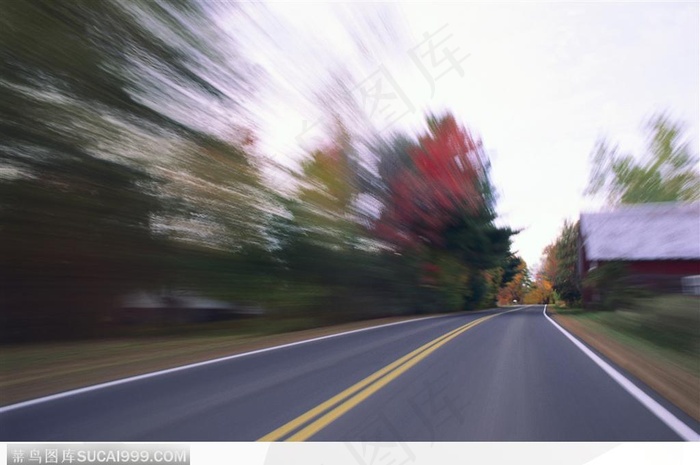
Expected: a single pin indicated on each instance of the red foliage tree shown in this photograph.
(443, 179)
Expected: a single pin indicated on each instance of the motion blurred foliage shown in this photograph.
(129, 162)
(668, 322)
(439, 204)
(112, 149)
(610, 281)
(666, 172)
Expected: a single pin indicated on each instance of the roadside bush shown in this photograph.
(672, 321)
(609, 284)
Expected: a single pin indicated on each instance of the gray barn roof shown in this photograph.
(660, 231)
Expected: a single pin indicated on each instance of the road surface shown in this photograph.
(505, 374)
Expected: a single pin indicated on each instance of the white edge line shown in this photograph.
(73, 392)
(673, 422)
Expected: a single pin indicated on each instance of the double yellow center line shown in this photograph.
(313, 421)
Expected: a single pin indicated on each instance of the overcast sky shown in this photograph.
(539, 82)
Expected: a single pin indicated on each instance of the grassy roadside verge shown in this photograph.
(675, 374)
(31, 371)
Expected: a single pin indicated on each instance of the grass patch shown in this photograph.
(571, 311)
(665, 327)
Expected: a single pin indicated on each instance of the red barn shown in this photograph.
(659, 243)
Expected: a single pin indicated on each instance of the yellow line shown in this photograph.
(343, 408)
(314, 412)
(381, 378)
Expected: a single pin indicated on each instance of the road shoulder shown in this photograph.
(33, 371)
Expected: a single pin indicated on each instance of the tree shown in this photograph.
(440, 197)
(668, 172)
(510, 269)
(550, 264)
(326, 251)
(75, 235)
(516, 289)
(444, 180)
(215, 197)
(324, 206)
(541, 291)
(560, 264)
(106, 106)
(438, 203)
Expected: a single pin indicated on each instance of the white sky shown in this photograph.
(541, 82)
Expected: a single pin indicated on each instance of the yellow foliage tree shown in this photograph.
(540, 292)
(514, 291)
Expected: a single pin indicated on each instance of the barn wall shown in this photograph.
(666, 267)
(661, 275)
(656, 275)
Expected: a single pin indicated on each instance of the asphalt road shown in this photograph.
(486, 376)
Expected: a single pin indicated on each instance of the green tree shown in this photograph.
(515, 289)
(561, 264)
(106, 131)
(667, 172)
